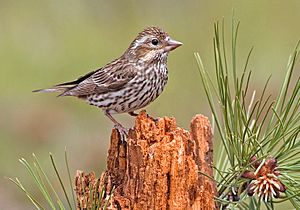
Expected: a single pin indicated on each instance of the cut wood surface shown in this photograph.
(160, 166)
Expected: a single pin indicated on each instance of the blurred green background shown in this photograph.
(47, 42)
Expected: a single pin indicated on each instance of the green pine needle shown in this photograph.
(258, 128)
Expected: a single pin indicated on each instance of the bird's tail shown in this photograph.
(61, 89)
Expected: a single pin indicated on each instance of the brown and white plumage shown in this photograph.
(129, 82)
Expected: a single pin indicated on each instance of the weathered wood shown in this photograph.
(158, 167)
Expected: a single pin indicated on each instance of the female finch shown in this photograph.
(128, 83)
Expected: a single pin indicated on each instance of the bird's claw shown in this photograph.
(123, 132)
(155, 119)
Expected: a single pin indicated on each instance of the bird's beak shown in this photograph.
(172, 45)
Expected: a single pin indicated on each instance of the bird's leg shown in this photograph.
(133, 114)
(120, 128)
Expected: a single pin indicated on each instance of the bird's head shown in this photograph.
(152, 43)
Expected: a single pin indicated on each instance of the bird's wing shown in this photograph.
(111, 77)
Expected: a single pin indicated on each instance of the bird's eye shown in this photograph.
(154, 42)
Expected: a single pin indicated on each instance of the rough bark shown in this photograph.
(161, 166)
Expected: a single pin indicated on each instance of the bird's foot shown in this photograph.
(155, 119)
(123, 132)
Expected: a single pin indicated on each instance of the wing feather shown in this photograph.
(111, 77)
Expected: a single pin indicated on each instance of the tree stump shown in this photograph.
(161, 166)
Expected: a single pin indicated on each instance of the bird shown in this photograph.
(128, 83)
